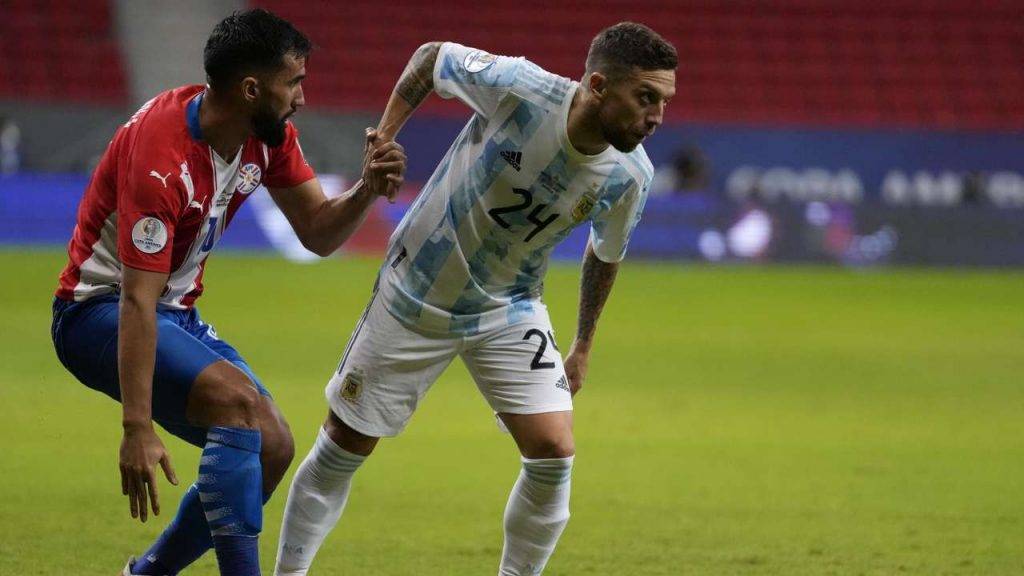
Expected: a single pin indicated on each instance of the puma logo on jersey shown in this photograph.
(162, 179)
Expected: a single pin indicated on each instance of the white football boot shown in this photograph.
(128, 567)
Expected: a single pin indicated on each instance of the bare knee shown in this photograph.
(222, 395)
(348, 438)
(278, 448)
(550, 448)
(545, 435)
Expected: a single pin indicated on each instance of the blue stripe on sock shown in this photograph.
(551, 471)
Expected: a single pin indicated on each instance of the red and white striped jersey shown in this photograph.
(160, 199)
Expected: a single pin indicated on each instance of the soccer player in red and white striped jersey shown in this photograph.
(124, 320)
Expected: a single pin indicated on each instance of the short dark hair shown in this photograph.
(250, 42)
(616, 50)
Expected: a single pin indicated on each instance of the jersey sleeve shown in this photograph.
(610, 230)
(479, 79)
(286, 165)
(150, 200)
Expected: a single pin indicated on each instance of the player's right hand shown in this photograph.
(384, 165)
(141, 450)
(576, 365)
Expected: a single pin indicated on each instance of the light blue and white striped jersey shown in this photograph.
(471, 253)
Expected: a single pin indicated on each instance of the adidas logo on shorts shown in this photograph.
(562, 383)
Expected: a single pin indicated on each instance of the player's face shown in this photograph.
(280, 97)
(633, 107)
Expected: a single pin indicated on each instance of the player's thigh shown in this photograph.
(544, 435)
(519, 368)
(206, 334)
(385, 371)
(83, 335)
(87, 347)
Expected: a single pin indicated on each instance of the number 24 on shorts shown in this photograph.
(537, 363)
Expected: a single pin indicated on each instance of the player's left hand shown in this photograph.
(576, 368)
(383, 165)
(141, 451)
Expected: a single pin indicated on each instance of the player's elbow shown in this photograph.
(430, 48)
(313, 240)
(427, 52)
(133, 306)
(318, 246)
(323, 251)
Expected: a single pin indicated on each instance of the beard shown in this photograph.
(621, 139)
(268, 128)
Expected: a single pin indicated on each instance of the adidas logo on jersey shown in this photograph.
(513, 158)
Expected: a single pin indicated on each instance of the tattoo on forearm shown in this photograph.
(418, 77)
(595, 286)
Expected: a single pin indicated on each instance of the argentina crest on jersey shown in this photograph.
(585, 204)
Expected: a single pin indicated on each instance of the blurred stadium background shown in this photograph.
(804, 130)
(788, 419)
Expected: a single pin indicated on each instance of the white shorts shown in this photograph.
(387, 368)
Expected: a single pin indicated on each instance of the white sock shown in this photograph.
(315, 502)
(536, 514)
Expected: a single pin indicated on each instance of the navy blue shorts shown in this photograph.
(85, 338)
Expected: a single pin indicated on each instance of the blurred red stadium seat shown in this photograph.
(56, 51)
(955, 64)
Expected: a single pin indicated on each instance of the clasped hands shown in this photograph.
(383, 165)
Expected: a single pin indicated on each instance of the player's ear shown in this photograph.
(250, 89)
(598, 85)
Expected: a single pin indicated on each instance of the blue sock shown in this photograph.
(184, 540)
(230, 485)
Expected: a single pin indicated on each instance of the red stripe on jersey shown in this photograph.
(152, 203)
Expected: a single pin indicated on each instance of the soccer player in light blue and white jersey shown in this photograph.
(464, 272)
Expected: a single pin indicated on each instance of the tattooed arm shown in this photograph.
(595, 285)
(415, 84)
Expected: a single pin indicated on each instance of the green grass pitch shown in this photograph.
(761, 421)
